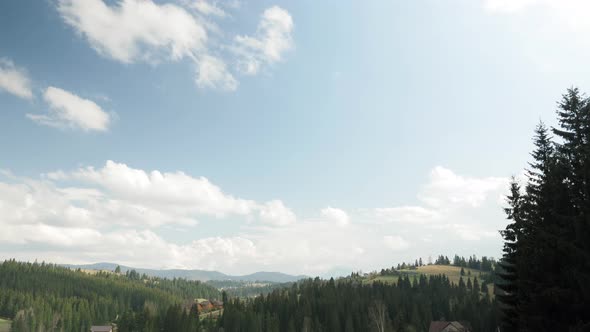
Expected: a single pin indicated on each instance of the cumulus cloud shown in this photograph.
(132, 31)
(81, 216)
(14, 80)
(272, 39)
(276, 213)
(67, 110)
(168, 196)
(135, 30)
(134, 248)
(447, 189)
(175, 191)
(338, 216)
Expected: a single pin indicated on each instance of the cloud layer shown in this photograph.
(117, 213)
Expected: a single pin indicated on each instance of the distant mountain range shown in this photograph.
(201, 275)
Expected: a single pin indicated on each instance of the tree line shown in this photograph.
(350, 304)
(484, 264)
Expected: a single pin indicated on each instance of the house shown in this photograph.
(204, 305)
(217, 305)
(103, 328)
(444, 326)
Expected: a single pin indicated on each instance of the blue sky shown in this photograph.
(299, 136)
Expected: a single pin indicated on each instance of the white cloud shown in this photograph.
(14, 80)
(212, 73)
(338, 216)
(161, 198)
(276, 213)
(395, 243)
(68, 110)
(166, 191)
(447, 189)
(141, 30)
(135, 30)
(116, 212)
(272, 39)
(208, 8)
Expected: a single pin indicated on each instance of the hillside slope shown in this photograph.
(43, 297)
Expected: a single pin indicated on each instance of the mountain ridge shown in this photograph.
(201, 275)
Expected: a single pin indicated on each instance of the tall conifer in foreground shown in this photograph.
(508, 264)
(546, 264)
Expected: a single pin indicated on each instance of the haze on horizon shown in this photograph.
(302, 137)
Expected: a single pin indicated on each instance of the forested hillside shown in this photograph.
(350, 305)
(45, 297)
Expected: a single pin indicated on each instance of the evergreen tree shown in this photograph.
(508, 265)
(545, 269)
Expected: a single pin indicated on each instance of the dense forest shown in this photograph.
(349, 304)
(46, 297)
(546, 263)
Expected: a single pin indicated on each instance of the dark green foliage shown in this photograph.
(545, 271)
(349, 305)
(45, 297)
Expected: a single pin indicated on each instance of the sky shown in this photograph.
(307, 137)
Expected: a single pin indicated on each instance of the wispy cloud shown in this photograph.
(133, 31)
(272, 39)
(14, 80)
(212, 72)
(208, 8)
(67, 110)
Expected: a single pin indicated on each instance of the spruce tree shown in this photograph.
(573, 207)
(507, 267)
(545, 268)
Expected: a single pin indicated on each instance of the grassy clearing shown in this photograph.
(5, 325)
(452, 272)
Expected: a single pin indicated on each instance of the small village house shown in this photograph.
(101, 328)
(454, 326)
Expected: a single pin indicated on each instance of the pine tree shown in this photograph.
(507, 267)
(545, 268)
(572, 214)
